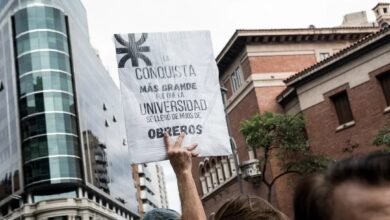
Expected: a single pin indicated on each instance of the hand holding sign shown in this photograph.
(180, 157)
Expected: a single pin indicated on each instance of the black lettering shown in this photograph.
(203, 104)
(142, 89)
(164, 72)
(192, 71)
(199, 129)
(191, 129)
(177, 72)
(151, 133)
(175, 131)
(181, 106)
(183, 128)
(137, 73)
(189, 105)
(173, 106)
(142, 110)
(161, 71)
(150, 108)
(159, 107)
(145, 73)
(160, 132)
(196, 106)
(168, 130)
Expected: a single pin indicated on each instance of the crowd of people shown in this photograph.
(357, 188)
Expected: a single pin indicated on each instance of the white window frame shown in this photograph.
(323, 55)
(236, 79)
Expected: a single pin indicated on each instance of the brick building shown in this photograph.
(345, 99)
(253, 67)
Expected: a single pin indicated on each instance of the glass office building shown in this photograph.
(62, 135)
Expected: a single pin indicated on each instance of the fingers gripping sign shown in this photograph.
(179, 157)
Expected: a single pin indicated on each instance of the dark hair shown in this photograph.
(248, 208)
(313, 195)
(161, 214)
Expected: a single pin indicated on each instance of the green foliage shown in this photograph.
(286, 133)
(308, 163)
(383, 138)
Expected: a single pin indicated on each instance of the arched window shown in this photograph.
(226, 167)
(221, 176)
(232, 165)
(208, 177)
(202, 178)
(214, 174)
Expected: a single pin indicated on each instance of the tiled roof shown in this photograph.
(337, 56)
(381, 3)
(286, 94)
(305, 29)
(241, 37)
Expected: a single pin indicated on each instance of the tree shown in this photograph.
(282, 137)
(383, 138)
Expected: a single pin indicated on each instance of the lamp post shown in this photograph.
(231, 139)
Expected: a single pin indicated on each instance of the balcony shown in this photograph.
(251, 170)
(146, 184)
(143, 171)
(148, 197)
(147, 207)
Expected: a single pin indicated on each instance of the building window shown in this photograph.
(343, 109)
(385, 10)
(42, 60)
(236, 79)
(324, 55)
(384, 80)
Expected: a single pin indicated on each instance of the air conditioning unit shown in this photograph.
(251, 170)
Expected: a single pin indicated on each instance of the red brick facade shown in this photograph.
(266, 99)
(257, 101)
(281, 63)
(244, 110)
(261, 93)
(367, 104)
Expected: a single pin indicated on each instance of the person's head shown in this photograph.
(248, 208)
(161, 214)
(356, 188)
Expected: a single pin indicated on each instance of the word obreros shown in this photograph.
(175, 131)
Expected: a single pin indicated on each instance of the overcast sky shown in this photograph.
(221, 17)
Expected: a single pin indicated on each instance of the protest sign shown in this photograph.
(169, 82)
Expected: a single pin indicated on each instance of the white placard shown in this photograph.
(169, 82)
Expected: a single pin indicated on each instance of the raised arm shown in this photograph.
(181, 162)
